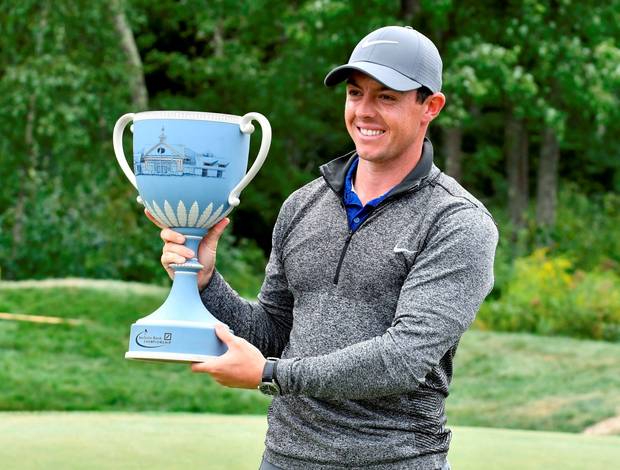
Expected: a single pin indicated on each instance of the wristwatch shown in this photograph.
(269, 382)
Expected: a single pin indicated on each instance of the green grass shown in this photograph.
(216, 442)
(501, 380)
(63, 367)
(523, 381)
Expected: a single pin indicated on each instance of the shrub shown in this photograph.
(586, 228)
(242, 263)
(547, 296)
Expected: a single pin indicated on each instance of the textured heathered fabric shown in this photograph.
(367, 352)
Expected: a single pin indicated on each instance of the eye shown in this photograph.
(386, 97)
(353, 92)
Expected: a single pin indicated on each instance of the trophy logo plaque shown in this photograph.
(190, 168)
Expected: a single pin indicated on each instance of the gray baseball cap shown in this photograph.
(400, 58)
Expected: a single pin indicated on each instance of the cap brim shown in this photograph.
(384, 75)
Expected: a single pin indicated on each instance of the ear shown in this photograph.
(434, 104)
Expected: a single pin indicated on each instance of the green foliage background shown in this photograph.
(66, 209)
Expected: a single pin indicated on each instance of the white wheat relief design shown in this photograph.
(204, 216)
(193, 215)
(181, 214)
(181, 218)
(170, 214)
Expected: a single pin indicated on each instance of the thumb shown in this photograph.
(152, 219)
(223, 333)
(214, 234)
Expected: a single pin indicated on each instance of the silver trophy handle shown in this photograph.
(247, 127)
(117, 140)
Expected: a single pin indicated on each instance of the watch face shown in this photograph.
(269, 388)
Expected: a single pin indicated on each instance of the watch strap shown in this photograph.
(269, 384)
(269, 370)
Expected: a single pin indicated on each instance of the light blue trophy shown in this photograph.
(190, 168)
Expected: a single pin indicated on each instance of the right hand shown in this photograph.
(174, 252)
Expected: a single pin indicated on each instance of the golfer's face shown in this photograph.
(384, 124)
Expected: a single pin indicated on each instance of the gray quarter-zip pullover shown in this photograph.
(367, 323)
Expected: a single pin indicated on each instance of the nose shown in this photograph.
(365, 107)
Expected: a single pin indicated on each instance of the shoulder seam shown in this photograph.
(436, 182)
(474, 205)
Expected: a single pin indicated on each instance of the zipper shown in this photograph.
(380, 208)
(344, 251)
(377, 210)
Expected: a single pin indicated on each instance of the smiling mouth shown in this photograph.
(370, 132)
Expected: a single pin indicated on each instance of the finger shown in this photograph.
(177, 249)
(204, 367)
(169, 235)
(214, 234)
(224, 334)
(172, 258)
(153, 219)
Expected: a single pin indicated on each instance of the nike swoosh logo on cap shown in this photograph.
(368, 43)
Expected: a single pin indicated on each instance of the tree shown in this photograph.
(139, 93)
(531, 87)
(61, 71)
(560, 41)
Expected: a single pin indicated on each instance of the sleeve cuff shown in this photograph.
(283, 375)
(216, 281)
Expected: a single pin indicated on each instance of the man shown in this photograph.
(377, 269)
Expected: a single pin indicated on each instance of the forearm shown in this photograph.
(394, 363)
(264, 325)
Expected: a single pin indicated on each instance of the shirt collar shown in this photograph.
(349, 194)
(335, 171)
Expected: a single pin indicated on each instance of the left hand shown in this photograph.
(240, 367)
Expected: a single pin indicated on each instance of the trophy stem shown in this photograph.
(191, 265)
(182, 329)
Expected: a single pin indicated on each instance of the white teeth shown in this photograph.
(370, 131)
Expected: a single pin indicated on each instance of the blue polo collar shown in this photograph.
(335, 171)
(356, 212)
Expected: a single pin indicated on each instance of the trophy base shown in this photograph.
(152, 356)
(173, 341)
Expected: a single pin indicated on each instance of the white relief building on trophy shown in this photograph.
(164, 159)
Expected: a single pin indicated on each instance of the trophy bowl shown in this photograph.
(189, 169)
